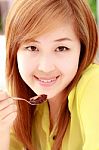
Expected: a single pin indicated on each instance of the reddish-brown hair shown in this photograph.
(28, 19)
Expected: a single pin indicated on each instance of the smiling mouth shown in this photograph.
(45, 81)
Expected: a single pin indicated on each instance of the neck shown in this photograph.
(55, 106)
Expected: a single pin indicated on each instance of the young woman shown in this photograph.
(51, 46)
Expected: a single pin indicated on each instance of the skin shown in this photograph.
(8, 112)
(53, 54)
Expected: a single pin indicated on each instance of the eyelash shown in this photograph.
(62, 48)
(29, 48)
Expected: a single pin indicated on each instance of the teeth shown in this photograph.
(47, 81)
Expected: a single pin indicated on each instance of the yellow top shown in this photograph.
(83, 129)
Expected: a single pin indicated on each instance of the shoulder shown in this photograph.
(87, 89)
(89, 80)
(87, 98)
(91, 71)
(87, 93)
(86, 86)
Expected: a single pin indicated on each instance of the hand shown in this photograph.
(8, 112)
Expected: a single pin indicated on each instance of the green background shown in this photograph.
(93, 6)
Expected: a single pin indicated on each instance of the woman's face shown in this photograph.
(49, 63)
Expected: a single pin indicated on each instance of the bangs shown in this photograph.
(38, 17)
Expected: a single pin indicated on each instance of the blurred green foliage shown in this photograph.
(92, 4)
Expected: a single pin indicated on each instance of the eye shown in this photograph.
(31, 48)
(62, 49)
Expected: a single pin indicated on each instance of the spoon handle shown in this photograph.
(22, 99)
(36, 100)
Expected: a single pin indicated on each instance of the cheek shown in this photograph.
(25, 65)
(69, 65)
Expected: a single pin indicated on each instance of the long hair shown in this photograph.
(26, 20)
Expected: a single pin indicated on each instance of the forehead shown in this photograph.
(63, 30)
(58, 29)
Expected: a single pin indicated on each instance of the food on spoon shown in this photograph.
(38, 99)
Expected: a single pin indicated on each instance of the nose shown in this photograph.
(46, 64)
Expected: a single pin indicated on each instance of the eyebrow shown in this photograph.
(57, 40)
(63, 39)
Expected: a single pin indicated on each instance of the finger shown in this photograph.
(6, 103)
(7, 115)
(3, 95)
(6, 111)
(8, 120)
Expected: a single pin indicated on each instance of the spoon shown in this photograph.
(36, 100)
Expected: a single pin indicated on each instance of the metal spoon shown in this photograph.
(36, 100)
